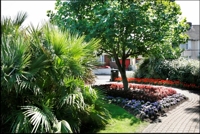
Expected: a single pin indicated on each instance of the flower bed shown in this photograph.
(146, 102)
(149, 111)
(160, 82)
(141, 92)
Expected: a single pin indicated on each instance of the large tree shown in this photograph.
(127, 28)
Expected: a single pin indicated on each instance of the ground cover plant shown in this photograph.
(146, 102)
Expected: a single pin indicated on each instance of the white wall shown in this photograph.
(102, 71)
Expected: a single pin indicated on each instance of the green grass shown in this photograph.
(122, 121)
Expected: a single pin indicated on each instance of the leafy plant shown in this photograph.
(43, 73)
(183, 70)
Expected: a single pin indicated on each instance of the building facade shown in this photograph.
(192, 47)
(131, 63)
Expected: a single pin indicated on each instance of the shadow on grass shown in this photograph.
(119, 116)
(122, 117)
(119, 113)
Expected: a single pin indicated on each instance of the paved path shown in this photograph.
(185, 118)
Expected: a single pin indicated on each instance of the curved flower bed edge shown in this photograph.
(166, 82)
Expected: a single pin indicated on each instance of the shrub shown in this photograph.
(184, 70)
(43, 76)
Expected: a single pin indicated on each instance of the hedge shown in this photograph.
(184, 70)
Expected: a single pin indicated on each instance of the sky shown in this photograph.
(37, 10)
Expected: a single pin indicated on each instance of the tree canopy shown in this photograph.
(126, 28)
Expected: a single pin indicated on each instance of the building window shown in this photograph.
(183, 46)
(187, 57)
(137, 60)
(188, 45)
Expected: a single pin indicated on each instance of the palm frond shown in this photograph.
(62, 127)
(74, 100)
(90, 95)
(20, 18)
(31, 85)
(75, 47)
(6, 23)
(35, 33)
(72, 84)
(55, 39)
(11, 26)
(20, 124)
(39, 118)
(15, 61)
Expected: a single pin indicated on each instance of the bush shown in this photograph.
(184, 70)
(43, 76)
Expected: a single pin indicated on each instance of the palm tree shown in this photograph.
(13, 27)
(42, 79)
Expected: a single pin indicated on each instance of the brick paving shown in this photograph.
(185, 118)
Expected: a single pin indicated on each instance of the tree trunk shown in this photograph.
(124, 79)
(122, 70)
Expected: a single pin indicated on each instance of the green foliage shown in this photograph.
(10, 26)
(63, 127)
(97, 115)
(184, 70)
(43, 80)
(126, 28)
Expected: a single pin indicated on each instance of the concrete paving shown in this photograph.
(185, 118)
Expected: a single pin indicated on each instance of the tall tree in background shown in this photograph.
(126, 28)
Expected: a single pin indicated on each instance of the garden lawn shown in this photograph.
(122, 121)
